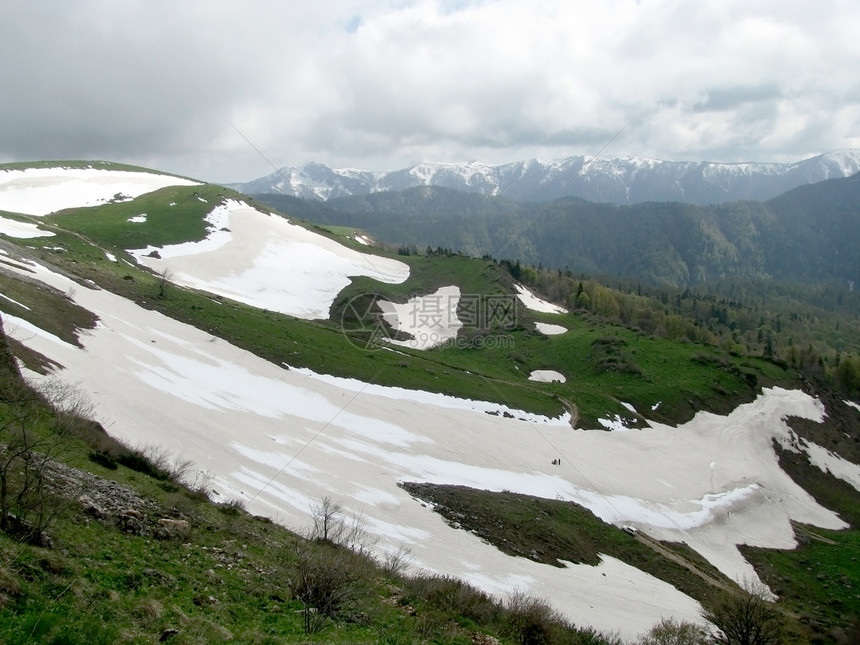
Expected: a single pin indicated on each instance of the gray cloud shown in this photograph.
(383, 83)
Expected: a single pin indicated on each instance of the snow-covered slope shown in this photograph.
(313, 181)
(39, 191)
(265, 261)
(248, 255)
(280, 439)
(619, 180)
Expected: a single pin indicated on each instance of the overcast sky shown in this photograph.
(218, 90)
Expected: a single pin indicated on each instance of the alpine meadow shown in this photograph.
(426, 416)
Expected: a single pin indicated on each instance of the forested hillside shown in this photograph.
(805, 235)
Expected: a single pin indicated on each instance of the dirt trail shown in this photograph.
(812, 534)
(679, 559)
(572, 410)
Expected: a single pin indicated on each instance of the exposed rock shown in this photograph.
(205, 600)
(89, 507)
(111, 502)
(158, 576)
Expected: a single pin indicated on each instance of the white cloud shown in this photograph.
(385, 83)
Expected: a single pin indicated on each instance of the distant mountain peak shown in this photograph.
(621, 180)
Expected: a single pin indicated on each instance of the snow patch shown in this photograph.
(531, 301)
(550, 330)
(547, 376)
(24, 330)
(39, 191)
(21, 230)
(430, 320)
(829, 462)
(615, 424)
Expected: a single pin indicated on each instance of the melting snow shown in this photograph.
(616, 424)
(547, 376)
(24, 331)
(21, 230)
(833, 463)
(550, 330)
(430, 320)
(267, 262)
(39, 191)
(534, 303)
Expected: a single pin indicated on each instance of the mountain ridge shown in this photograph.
(800, 236)
(622, 180)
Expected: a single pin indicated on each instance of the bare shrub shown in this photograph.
(34, 432)
(747, 617)
(232, 507)
(158, 463)
(328, 521)
(332, 525)
(325, 581)
(165, 279)
(395, 562)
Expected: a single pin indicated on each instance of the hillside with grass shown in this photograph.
(581, 440)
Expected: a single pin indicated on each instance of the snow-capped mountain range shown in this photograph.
(621, 180)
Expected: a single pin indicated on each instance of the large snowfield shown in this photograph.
(281, 439)
(267, 262)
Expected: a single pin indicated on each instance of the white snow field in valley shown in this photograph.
(281, 439)
(156, 382)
